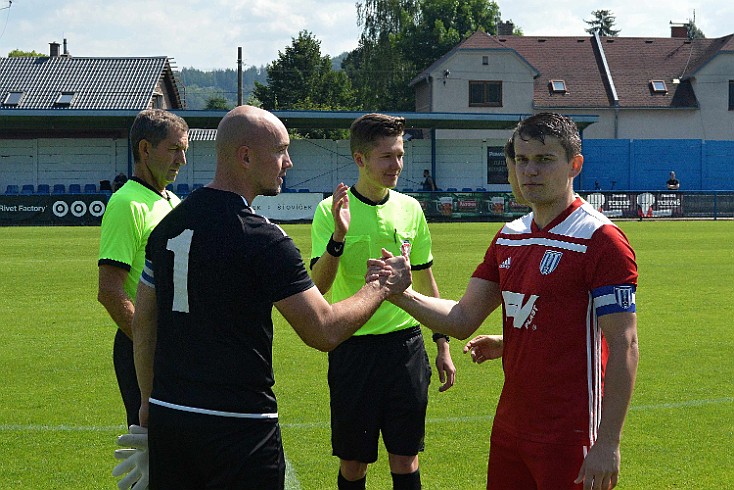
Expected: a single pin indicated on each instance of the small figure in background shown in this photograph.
(118, 181)
(428, 183)
(673, 183)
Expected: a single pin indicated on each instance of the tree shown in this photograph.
(302, 79)
(693, 31)
(603, 22)
(17, 53)
(402, 37)
(217, 102)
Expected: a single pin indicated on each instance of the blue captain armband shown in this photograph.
(614, 299)
(147, 277)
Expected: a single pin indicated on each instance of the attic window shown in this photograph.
(485, 60)
(658, 87)
(65, 99)
(13, 98)
(558, 86)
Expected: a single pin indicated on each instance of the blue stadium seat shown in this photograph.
(73, 188)
(196, 186)
(12, 189)
(467, 189)
(43, 189)
(451, 189)
(481, 189)
(90, 188)
(303, 190)
(27, 189)
(407, 189)
(182, 189)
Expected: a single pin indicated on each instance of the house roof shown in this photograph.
(632, 63)
(97, 83)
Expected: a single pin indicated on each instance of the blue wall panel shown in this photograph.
(645, 164)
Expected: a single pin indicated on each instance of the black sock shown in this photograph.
(344, 484)
(409, 481)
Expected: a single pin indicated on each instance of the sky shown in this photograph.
(205, 34)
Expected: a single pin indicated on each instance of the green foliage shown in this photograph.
(302, 79)
(60, 409)
(603, 22)
(402, 37)
(201, 86)
(17, 53)
(217, 103)
(693, 30)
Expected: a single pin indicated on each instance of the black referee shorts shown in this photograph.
(190, 451)
(379, 384)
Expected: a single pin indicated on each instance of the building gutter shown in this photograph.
(610, 81)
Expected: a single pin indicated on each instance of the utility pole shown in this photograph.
(239, 76)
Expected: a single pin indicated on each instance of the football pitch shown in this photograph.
(60, 409)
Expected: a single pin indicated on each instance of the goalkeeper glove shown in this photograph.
(135, 460)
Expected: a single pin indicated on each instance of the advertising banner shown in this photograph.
(73, 209)
(488, 206)
(638, 204)
(288, 206)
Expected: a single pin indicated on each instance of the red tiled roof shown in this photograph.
(632, 63)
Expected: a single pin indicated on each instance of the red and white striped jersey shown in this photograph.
(555, 283)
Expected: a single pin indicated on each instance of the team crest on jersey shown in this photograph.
(624, 296)
(550, 261)
(405, 248)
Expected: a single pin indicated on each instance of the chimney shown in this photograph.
(679, 31)
(66, 51)
(54, 49)
(505, 28)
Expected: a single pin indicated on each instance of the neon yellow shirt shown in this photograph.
(132, 213)
(396, 221)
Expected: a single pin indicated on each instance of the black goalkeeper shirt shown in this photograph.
(218, 268)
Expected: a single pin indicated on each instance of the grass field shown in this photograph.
(60, 409)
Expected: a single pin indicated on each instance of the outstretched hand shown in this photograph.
(484, 348)
(134, 458)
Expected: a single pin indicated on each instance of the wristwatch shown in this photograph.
(335, 249)
(437, 336)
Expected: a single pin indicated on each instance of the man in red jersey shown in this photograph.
(566, 278)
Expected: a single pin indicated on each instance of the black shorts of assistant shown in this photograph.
(127, 380)
(379, 383)
(190, 451)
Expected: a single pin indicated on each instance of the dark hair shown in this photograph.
(539, 126)
(509, 149)
(153, 125)
(366, 129)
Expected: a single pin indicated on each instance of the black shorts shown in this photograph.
(127, 380)
(190, 451)
(379, 383)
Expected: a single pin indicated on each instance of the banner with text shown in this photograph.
(73, 209)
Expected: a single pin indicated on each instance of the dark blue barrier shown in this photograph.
(65, 209)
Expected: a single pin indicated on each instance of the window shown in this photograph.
(485, 60)
(13, 98)
(558, 86)
(485, 94)
(65, 99)
(731, 95)
(658, 87)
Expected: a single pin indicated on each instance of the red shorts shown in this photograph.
(517, 464)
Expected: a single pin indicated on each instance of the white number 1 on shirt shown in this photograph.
(180, 246)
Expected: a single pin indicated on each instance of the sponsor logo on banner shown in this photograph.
(550, 261)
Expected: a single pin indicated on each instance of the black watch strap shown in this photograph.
(437, 336)
(335, 249)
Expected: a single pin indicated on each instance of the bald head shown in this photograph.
(245, 126)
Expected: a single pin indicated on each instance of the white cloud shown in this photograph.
(205, 34)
